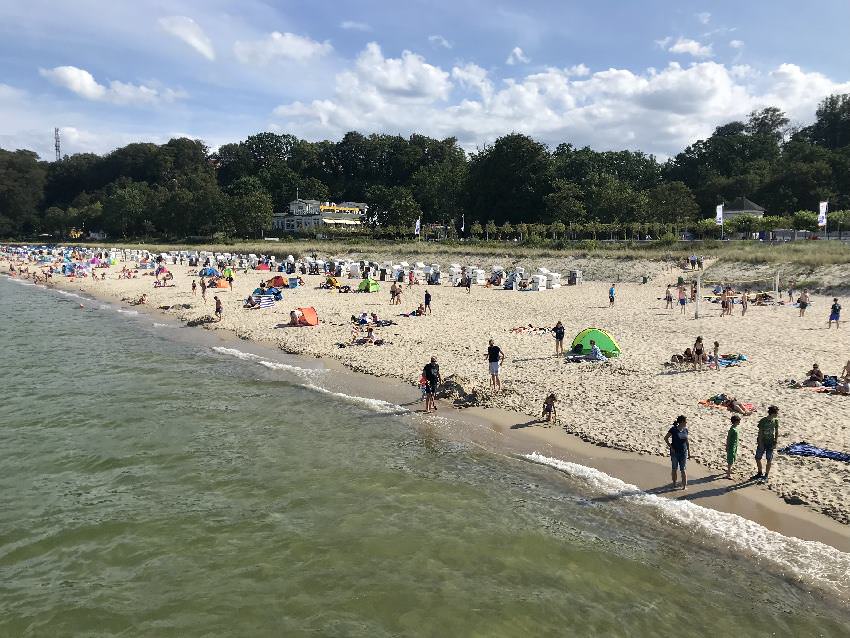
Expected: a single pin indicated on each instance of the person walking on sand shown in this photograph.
(716, 355)
(558, 332)
(611, 296)
(495, 357)
(668, 298)
(680, 449)
(431, 372)
(732, 445)
(803, 301)
(194, 288)
(218, 307)
(427, 301)
(203, 290)
(745, 301)
(834, 314)
(766, 441)
(683, 298)
(393, 292)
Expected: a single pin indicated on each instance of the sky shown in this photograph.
(650, 75)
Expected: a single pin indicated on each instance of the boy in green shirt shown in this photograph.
(766, 441)
(732, 445)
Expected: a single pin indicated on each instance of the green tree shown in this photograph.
(522, 229)
(566, 202)
(805, 220)
(557, 228)
(393, 206)
(672, 202)
(509, 180)
(125, 207)
(22, 182)
(57, 221)
(490, 229)
(252, 207)
(476, 230)
(440, 188)
(506, 230)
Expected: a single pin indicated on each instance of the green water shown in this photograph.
(150, 486)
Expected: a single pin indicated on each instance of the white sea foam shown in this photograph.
(65, 293)
(131, 313)
(20, 282)
(376, 405)
(807, 560)
(164, 325)
(233, 352)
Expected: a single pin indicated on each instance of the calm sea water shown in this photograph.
(151, 485)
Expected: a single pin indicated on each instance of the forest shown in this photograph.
(514, 188)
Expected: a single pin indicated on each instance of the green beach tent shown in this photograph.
(605, 341)
(368, 285)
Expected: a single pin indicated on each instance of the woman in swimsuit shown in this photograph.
(699, 353)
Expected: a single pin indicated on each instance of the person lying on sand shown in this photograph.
(140, 301)
(251, 302)
(845, 372)
(734, 405)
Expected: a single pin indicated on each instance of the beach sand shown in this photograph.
(627, 403)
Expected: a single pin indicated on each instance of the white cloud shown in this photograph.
(517, 56)
(439, 41)
(704, 17)
(691, 47)
(663, 42)
(351, 25)
(577, 70)
(190, 32)
(280, 47)
(736, 44)
(472, 76)
(82, 83)
(657, 111)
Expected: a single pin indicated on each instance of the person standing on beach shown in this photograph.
(611, 296)
(766, 442)
(680, 450)
(427, 301)
(218, 307)
(834, 314)
(804, 301)
(699, 353)
(717, 355)
(558, 332)
(791, 292)
(431, 372)
(393, 292)
(668, 298)
(745, 300)
(194, 288)
(495, 357)
(732, 445)
(683, 299)
(203, 290)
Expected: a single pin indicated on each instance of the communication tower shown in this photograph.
(56, 144)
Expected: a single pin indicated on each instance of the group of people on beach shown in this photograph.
(678, 442)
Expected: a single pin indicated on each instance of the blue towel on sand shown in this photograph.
(804, 449)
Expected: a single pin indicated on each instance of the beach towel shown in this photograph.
(804, 449)
(266, 301)
(731, 360)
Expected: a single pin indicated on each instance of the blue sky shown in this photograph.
(653, 74)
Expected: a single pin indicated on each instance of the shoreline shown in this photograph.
(508, 432)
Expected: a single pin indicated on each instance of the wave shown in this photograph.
(131, 313)
(307, 374)
(65, 293)
(808, 560)
(233, 352)
(163, 325)
(376, 405)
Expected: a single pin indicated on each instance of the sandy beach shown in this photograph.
(627, 403)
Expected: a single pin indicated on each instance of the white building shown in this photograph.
(306, 214)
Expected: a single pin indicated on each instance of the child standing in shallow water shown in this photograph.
(732, 445)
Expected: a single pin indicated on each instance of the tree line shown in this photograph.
(515, 187)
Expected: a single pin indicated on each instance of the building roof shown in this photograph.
(742, 205)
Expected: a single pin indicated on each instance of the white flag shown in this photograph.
(718, 219)
(416, 231)
(462, 223)
(822, 213)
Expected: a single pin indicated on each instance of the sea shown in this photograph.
(155, 481)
